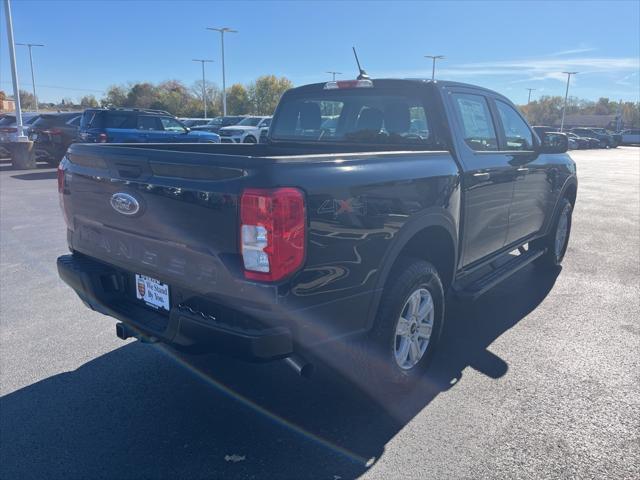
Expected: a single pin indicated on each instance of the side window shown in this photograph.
(479, 132)
(516, 131)
(171, 125)
(418, 122)
(74, 122)
(148, 123)
(89, 118)
(117, 120)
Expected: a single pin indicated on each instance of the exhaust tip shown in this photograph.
(300, 366)
(307, 370)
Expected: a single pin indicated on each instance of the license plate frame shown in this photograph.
(152, 292)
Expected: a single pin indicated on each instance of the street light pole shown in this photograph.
(33, 79)
(334, 74)
(433, 68)
(529, 99)
(222, 31)
(566, 95)
(204, 91)
(14, 70)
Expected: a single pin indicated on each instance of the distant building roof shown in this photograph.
(598, 121)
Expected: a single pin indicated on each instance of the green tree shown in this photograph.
(88, 101)
(141, 95)
(631, 114)
(116, 96)
(214, 99)
(238, 100)
(173, 97)
(27, 100)
(544, 111)
(265, 93)
(548, 110)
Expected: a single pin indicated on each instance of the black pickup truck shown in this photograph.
(371, 202)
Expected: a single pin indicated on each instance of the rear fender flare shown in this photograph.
(431, 218)
(571, 181)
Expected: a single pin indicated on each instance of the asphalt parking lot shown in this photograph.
(537, 379)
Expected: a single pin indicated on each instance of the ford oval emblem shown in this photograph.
(125, 204)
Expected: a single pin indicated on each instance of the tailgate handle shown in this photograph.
(129, 171)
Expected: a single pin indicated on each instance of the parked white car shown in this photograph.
(245, 131)
(9, 130)
(194, 122)
(630, 136)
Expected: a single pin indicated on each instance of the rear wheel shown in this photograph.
(407, 330)
(557, 241)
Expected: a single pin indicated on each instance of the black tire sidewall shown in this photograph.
(550, 259)
(409, 276)
(565, 205)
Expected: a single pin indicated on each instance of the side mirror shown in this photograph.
(554, 142)
(187, 129)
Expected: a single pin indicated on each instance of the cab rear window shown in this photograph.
(48, 121)
(107, 119)
(91, 119)
(352, 116)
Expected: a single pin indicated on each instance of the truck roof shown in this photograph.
(401, 82)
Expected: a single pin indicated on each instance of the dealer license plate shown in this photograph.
(152, 292)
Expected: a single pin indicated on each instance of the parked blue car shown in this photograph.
(134, 125)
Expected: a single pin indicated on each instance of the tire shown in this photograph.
(377, 363)
(250, 139)
(556, 247)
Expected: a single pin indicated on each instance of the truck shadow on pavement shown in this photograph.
(49, 175)
(137, 412)
(5, 164)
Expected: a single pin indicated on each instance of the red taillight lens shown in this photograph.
(53, 131)
(348, 84)
(60, 178)
(8, 130)
(61, 195)
(272, 232)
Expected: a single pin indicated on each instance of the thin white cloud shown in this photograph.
(548, 65)
(626, 80)
(533, 69)
(571, 52)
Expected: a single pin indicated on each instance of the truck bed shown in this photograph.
(186, 232)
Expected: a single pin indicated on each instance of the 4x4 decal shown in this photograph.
(338, 206)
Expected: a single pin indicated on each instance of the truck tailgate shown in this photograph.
(166, 214)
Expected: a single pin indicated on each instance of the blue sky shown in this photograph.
(506, 46)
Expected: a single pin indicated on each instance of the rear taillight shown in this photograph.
(102, 138)
(61, 186)
(8, 130)
(272, 232)
(60, 178)
(53, 131)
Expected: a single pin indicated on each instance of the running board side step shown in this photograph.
(476, 288)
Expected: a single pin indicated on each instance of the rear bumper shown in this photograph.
(194, 322)
(49, 150)
(235, 139)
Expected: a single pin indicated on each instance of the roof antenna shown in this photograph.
(363, 75)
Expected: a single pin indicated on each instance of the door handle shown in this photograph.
(482, 175)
